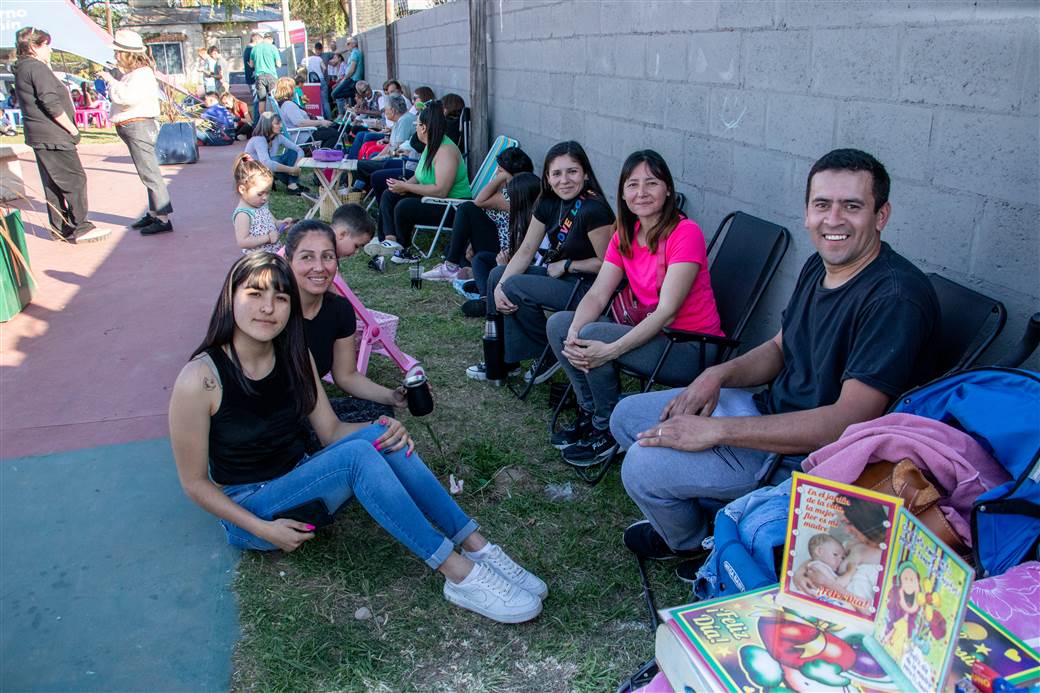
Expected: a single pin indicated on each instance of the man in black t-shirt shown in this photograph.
(247, 62)
(854, 336)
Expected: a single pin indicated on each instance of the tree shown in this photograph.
(322, 17)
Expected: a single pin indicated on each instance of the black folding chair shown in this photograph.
(743, 257)
(464, 133)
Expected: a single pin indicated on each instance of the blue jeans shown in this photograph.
(288, 157)
(673, 487)
(399, 492)
(360, 139)
(254, 109)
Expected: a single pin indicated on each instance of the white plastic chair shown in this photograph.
(480, 179)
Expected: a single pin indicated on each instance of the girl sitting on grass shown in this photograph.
(236, 426)
(255, 226)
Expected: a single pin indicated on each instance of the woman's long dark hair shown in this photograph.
(523, 190)
(301, 229)
(261, 270)
(577, 152)
(626, 218)
(432, 116)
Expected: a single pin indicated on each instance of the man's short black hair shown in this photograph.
(853, 160)
(354, 217)
(318, 45)
(514, 160)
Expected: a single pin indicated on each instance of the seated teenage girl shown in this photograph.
(574, 220)
(236, 424)
(662, 256)
(328, 318)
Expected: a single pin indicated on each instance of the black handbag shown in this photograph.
(177, 144)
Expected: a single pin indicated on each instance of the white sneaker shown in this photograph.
(441, 273)
(478, 371)
(489, 594)
(98, 233)
(385, 248)
(499, 561)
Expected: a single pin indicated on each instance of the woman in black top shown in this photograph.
(329, 321)
(48, 120)
(572, 225)
(236, 425)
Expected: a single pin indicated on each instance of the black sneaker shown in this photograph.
(144, 221)
(298, 190)
(687, 570)
(576, 432)
(378, 263)
(547, 370)
(405, 256)
(643, 540)
(157, 227)
(470, 286)
(598, 446)
(475, 308)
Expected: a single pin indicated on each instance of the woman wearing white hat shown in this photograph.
(135, 107)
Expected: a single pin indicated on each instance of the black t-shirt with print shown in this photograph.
(875, 328)
(592, 214)
(335, 320)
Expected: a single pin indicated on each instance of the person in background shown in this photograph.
(237, 415)
(221, 128)
(326, 56)
(353, 71)
(135, 108)
(298, 96)
(213, 71)
(315, 68)
(325, 132)
(77, 98)
(394, 155)
(250, 74)
(265, 60)
(48, 123)
(277, 152)
(453, 107)
(240, 112)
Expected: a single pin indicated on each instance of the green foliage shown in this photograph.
(322, 17)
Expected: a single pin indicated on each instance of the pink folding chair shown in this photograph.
(377, 331)
(375, 336)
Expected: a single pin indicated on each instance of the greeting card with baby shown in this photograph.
(838, 545)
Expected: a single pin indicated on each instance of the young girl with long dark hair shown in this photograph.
(662, 255)
(236, 425)
(574, 222)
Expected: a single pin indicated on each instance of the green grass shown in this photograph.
(89, 136)
(299, 632)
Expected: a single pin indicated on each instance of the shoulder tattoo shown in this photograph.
(209, 383)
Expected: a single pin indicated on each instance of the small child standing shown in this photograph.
(255, 226)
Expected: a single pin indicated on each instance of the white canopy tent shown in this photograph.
(70, 29)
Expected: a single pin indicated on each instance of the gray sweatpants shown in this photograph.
(533, 292)
(669, 485)
(140, 137)
(597, 390)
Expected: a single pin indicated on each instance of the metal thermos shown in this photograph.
(494, 349)
(420, 399)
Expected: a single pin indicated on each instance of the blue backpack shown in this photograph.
(999, 408)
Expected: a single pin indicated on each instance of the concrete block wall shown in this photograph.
(432, 50)
(742, 96)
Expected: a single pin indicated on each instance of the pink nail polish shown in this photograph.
(408, 454)
(377, 446)
(310, 528)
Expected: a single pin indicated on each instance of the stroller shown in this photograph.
(998, 407)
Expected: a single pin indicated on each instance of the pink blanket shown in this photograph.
(958, 464)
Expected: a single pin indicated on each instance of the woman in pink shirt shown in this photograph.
(662, 256)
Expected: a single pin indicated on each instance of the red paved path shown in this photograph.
(91, 360)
